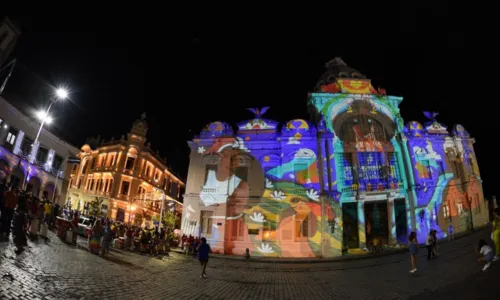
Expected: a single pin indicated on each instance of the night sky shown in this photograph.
(189, 71)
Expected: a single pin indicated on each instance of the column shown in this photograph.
(361, 225)
(391, 217)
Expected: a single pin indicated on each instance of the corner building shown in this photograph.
(126, 180)
(354, 176)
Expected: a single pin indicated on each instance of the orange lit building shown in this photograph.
(124, 180)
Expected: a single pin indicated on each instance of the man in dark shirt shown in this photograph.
(11, 199)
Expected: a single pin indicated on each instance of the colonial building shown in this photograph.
(123, 179)
(353, 176)
(38, 168)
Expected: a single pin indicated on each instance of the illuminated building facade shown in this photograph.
(124, 180)
(353, 177)
(39, 168)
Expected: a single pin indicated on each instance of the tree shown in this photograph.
(95, 207)
(169, 219)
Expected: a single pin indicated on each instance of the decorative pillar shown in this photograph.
(391, 222)
(19, 140)
(50, 159)
(34, 151)
(361, 225)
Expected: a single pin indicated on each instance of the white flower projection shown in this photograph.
(278, 195)
(269, 184)
(257, 217)
(313, 195)
(265, 248)
(201, 149)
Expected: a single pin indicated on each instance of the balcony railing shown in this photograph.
(38, 164)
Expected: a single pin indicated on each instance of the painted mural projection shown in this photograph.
(287, 219)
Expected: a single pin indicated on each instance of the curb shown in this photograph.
(334, 259)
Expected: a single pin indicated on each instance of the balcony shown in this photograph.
(38, 164)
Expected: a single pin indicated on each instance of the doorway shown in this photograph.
(377, 222)
(120, 215)
(350, 225)
(401, 220)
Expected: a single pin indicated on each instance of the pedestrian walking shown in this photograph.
(413, 245)
(203, 252)
(429, 244)
(486, 254)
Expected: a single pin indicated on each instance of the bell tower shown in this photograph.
(139, 129)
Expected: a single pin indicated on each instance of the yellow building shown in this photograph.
(124, 180)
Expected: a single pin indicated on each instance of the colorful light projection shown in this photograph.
(287, 220)
(437, 161)
(264, 185)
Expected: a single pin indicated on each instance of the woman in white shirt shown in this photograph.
(486, 254)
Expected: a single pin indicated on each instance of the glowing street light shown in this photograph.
(60, 94)
(42, 116)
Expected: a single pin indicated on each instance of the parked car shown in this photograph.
(84, 226)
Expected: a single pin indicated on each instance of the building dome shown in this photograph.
(298, 127)
(416, 129)
(337, 69)
(216, 129)
(460, 131)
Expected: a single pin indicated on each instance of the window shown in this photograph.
(301, 228)
(41, 155)
(206, 222)
(446, 211)
(157, 175)
(346, 162)
(210, 169)
(26, 145)
(173, 190)
(125, 187)
(238, 230)
(57, 163)
(268, 232)
(129, 165)
(11, 138)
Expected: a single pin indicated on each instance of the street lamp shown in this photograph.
(61, 94)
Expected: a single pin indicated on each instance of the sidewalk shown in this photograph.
(307, 260)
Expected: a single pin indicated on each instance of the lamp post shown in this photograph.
(61, 94)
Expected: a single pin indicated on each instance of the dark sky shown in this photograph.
(188, 69)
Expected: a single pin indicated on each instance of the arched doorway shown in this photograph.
(33, 186)
(48, 191)
(17, 177)
(4, 169)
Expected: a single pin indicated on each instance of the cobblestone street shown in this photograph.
(53, 270)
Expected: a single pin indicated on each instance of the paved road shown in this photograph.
(53, 270)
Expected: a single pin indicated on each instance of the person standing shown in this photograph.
(413, 245)
(3, 186)
(11, 199)
(203, 252)
(430, 245)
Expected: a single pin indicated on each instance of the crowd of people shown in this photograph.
(147, 240)
(12, 201)
(486, 253)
